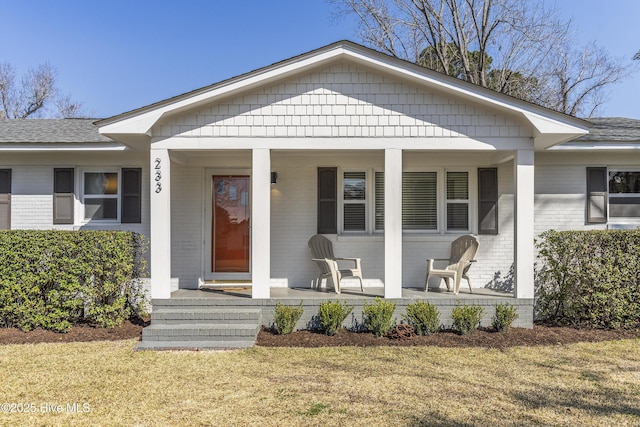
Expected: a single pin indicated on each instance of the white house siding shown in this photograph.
(494, 268)
(342, 101)
(293, 222)
(186, 224)
(560, 198)
(561, 186)
(32, 197)
(32, 186)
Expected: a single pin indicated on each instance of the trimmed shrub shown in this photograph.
(589, 278)
(424, 317)
(286, 318)
(378, 317)
(466, 318)
(504, 316)
(332, 314)
(53, 279)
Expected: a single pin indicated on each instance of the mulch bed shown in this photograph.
(78, 333)
(539, 335)
(484, 337)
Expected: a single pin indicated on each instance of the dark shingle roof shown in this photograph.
(50, 131)
(614, 129)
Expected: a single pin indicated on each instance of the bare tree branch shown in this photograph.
(507, 45)
(34, 95)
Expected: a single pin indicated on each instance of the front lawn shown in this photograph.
(580, 384)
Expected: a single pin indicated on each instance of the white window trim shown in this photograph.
(80, 216)
(446, 201)
(368, 176)
(441, 201)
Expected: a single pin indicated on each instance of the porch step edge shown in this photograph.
(228, 331)
(194, 345)
(201, 315)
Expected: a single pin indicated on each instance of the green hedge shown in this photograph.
(53, 279)
(589, 278)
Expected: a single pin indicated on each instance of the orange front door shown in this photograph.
(230, 225)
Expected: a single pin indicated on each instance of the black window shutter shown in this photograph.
(63, 195)
(597, 195)
(131, 196)
(487, 201)
(5, 199)
(327, 200)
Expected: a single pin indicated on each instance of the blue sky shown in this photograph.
(117, 55)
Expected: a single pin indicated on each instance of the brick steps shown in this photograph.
(200, 325)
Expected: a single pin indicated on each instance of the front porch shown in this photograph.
(231, 318)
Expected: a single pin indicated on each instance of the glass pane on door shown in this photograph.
(230, 228)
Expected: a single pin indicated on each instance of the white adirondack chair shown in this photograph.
(322, 252)
(463, 250)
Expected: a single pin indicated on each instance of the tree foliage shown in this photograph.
(34, 94)
(516, 47)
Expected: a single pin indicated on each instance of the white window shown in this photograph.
(624, 194)
(457, 201)
(354, 201)
(422, 202)
(101, 195)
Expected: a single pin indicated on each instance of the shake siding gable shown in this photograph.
(342, 101)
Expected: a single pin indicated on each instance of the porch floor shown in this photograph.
(435, 294)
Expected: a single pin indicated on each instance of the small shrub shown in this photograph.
(286, 318)
(378, 316)
(332, 314)
(466, 318)
(504, 317)
(424, 317)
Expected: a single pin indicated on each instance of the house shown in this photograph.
(390, 160)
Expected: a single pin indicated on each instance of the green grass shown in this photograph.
(583, 384)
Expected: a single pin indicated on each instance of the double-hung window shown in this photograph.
(101, 195)
(420, 201)
(423, 203)
(457, 201)
(437, 200)
(624, 194)
(354, 201)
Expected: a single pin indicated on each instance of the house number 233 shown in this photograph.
(158, 174)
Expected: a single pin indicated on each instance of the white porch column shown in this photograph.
(261, 223)
(393, 223)
(524, 252)
(160, 244)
